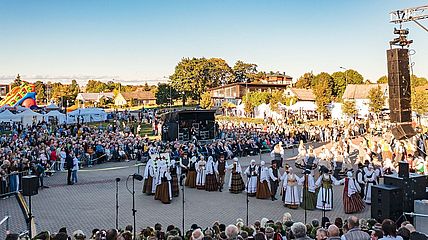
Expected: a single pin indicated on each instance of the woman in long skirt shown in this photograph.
(352, 202)
(175, 170)
(200, 174)
(211, 180)
(325, 194)
(163, 188)
(236, 184)
(148, 178)
(191, 174)
(309, 198)
(263, 190)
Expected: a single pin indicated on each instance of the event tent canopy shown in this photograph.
(8, 116)
(87, 115)
(55, 114)
(28, 117)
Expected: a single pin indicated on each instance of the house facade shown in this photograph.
(359, 93)
(85, 99)
(234, 92)
(138, 98)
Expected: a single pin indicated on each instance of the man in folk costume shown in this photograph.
(308, 192)
(184, 164)
(149, 183)
(274, 176)
(211, 179)
(291, 192)
(352, 202)
(252, 175)
(370, 178)
(325, 194)
(221, 167)
(200, 173)
(277, 154)
(360, 179)
(163, 187)
(236, 184)
(191, 173)
(263, 189)
(175, 171)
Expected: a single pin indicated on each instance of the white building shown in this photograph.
(360, 94)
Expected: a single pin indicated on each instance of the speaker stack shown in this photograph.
(30, 185)
(400, 92)
(397, 194)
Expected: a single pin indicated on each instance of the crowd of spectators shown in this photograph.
(351, 228)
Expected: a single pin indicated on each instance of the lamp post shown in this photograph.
(139, 178)
(346, 79)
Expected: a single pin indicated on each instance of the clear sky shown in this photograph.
(142, 40)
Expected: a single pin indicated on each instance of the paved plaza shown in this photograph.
(91, 203)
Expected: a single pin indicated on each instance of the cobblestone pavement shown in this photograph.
(91, 203)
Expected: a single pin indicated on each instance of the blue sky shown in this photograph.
(137, 41)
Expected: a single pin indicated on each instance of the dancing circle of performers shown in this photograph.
(162, 177)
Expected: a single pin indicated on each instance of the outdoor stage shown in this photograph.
(91, 203)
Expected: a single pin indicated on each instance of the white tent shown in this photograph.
(20, 108)
(51, 107)
(86, 115)
(29, 117)
(55, 114)
(303, 105)
(8, 116)
(263, 110)
(4, 107)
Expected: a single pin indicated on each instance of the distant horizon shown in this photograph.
(142, 41)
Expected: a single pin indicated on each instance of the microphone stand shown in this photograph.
(117, 202)
(305, 189)
(183, 205)
(247, 198)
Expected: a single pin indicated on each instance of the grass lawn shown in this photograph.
(240, 119)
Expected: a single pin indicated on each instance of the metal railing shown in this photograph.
(11, 183)
(5, 220)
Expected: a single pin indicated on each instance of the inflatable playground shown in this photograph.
(23, 95)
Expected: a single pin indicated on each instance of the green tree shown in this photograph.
(206, 102)
(377, 100)
(73, 89)
(244, 72)
(219, 72)
(383, 79)
(146, 87)
(94, 86)
(349, 108)
(255, 99)
(164, 92)
(305, 81)
(323, 90)
(418, 81)
(341, 79)
(420, 101)
(40, 89)
(17, 82)
(277, 96)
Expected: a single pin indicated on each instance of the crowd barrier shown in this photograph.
(11, 183)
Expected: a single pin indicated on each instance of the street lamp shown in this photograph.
(346, 79)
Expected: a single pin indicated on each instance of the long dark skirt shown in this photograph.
(237, 185)
(263, 191)
(191, 179)
(352, 204)
(148, 185)
(162, 193)
(211, 183)
(175, 187)
(309, 200)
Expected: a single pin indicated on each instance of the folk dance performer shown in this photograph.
(263, 189)
(309, 198)
(149, 186)
(175, 171)
(352, 202)
(291, 193)
(300, 159)
(200, 173)
(184, 164)
(325, 194)
(274, 176)
(252, 176)
(163, 186)
(211, 179)
(370, 178)
(191, 173)
(311, 159)
(236, 184)
(277, 154)
(221, 167)
(360, 179)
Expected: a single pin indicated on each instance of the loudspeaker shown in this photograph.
(403, 169)
(386, 202)
(421, 207)
(403, 131)
(30, 185)
(399, 85)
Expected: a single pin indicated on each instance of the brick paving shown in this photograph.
(91, 203)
